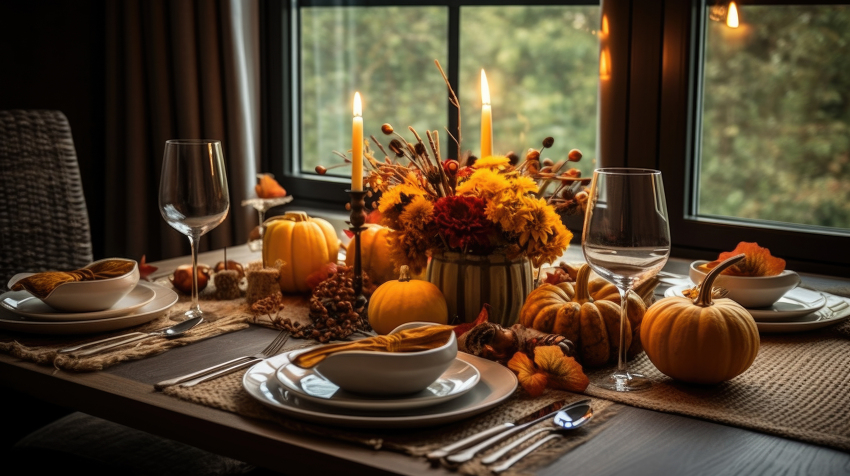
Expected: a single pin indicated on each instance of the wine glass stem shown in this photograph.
(622, 365)
(194, 238)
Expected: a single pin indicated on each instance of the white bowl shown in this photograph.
(389, 373)
(750, 291)
(89, 296)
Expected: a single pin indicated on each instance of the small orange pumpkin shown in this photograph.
(701, 341)
(593, 325)
(404, 300)
(304, 244)
(374, 254)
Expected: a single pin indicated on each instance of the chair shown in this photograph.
(44, 223)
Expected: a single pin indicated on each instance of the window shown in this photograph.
(541, 62)
(726, 123)
(775, 142)
(750, 131)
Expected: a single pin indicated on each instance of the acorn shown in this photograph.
(231, 265)
(182, 278)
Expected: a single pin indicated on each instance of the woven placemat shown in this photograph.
(798, 387)
(220, 317)
(227, 393)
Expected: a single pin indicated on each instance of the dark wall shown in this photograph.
(52, 56)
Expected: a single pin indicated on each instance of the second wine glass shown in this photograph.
(626, 240)
(193, 195)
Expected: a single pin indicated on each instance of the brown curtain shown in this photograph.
(177, 69)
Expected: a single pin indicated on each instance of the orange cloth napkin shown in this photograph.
(41, 285)
(408, 340)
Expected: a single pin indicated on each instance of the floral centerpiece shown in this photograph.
(487, 207)
(472, 221)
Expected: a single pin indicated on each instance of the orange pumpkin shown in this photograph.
(701, 341)
(593, 325)
(374, 254)
(404, 300)
(304, 244)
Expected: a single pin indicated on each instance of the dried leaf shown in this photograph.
(758, 261)
(563, 372)
(532, 380)
(145, 269)
(483, 316)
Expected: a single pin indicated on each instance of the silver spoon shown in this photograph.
(170, 332)
(567, 419)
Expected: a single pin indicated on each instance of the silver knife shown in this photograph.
(495, 434)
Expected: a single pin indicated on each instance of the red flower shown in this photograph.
(461, 221)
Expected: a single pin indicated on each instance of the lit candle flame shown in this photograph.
(358, 107)
(732, 16)
(485, 90)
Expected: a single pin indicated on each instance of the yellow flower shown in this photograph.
(542, 253)
(401, 194)
(492, 162)
(540, 224)
(418, 214)
(523, 185)
(484, 183)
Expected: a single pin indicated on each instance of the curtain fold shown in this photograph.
(178, 69)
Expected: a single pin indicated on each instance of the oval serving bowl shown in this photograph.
(389, 373)
(750, 291)
(89, 296)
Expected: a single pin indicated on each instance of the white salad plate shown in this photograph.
(495, 385)
(312, 386)
(163, 299)
(25, 304)
(795, 303)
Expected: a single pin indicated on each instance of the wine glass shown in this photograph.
(193, 195)
(626, 240)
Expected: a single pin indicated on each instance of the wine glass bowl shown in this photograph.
(193, 194)
(626, 240)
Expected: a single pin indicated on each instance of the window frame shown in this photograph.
(649, 117)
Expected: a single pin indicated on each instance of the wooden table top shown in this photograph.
(638, 442)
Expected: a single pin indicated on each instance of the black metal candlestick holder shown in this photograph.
(356, 221)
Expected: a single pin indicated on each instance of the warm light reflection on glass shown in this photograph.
(732, 16)
(604, 32)
(605, 64)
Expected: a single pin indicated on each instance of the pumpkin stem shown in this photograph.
(582, 289)
(296, 216)
(703, 299)
(404, 273)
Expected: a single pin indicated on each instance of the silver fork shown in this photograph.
(230, 366)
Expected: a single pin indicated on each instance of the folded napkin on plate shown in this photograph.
(41, 285)
(408, 340)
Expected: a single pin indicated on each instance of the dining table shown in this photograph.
(630, 437)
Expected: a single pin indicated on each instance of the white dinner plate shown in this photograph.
(312, 386)
(837, 309)
(496, 384)
(163, 299)
(795, 303)
(25, 304)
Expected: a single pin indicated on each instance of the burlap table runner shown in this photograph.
(798, 388)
